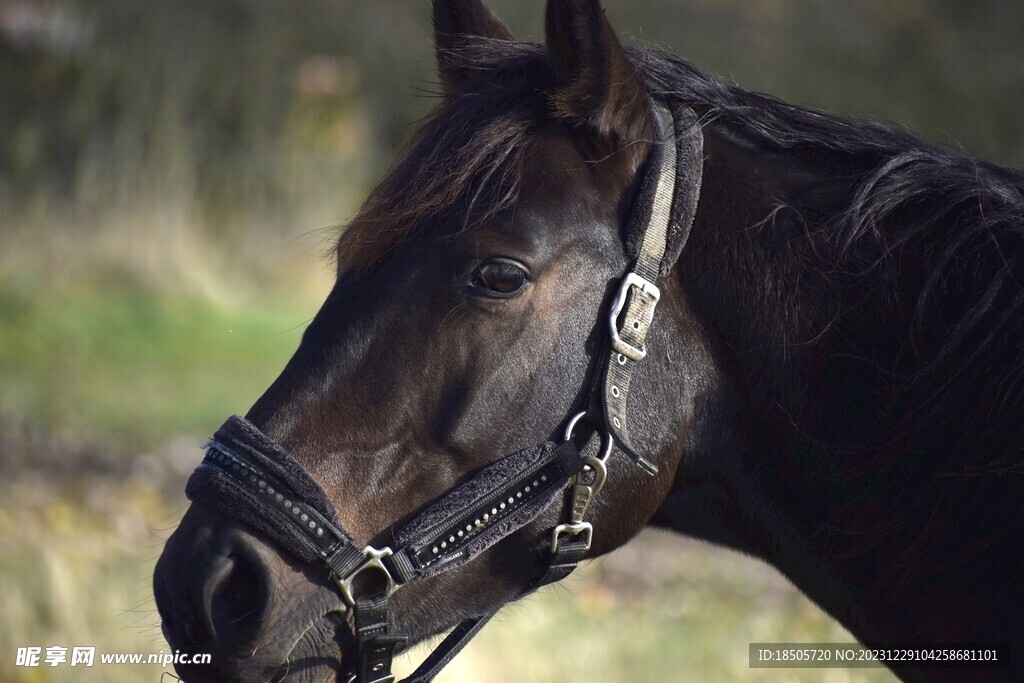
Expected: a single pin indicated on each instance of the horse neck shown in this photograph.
(765, 474)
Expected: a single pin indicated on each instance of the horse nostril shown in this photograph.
(236, 597)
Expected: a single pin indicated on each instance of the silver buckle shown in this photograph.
(373, 561)
(354, 678)
(648, 289)
(572, 529)
(582, 495)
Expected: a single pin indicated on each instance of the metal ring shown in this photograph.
(606, 439)
(372, 562)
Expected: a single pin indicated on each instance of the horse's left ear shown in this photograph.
(596, 86)
(456, 23)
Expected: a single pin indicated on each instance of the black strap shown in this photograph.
(235, 480)
(452, 645)
(345, 560)
(375, 645)
(564, 561)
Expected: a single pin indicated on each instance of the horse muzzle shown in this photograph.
(224, 591)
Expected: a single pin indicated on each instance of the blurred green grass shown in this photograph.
(108, 387)
(128, 364)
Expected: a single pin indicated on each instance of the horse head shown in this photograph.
(468, 318)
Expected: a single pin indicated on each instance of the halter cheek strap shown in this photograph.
(249, 477)
(660, 226)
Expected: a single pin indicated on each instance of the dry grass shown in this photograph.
(99, 381)
(79, 556)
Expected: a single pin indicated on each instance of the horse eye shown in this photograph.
(499, 278)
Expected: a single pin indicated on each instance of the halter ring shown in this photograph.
(606, 439)
(372, 563)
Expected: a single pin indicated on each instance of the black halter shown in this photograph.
(249, 477)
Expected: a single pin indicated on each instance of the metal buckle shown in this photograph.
(648, 289)
(386, 678)
(354, 678)
(572, 529)
(373, 561)
(582, 493)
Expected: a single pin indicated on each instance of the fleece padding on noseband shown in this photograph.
(498, 500)
(250, 478)
(689, 141)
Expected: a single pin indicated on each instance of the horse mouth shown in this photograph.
(316, 654)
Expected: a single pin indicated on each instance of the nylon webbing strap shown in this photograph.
(376, 646)
(452, 645)
(564, 561)
(634, 305)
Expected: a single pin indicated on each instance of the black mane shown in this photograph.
(939, 233)
(883, 375)
(932, 236)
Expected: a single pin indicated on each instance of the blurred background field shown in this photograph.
(171, 177)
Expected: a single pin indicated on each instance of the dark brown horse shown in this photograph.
(834, 380)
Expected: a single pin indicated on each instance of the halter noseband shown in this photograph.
(248, 476)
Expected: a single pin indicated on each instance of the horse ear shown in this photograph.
(597, 87)
(456, 23)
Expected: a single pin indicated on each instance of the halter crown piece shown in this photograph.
(247, 476)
